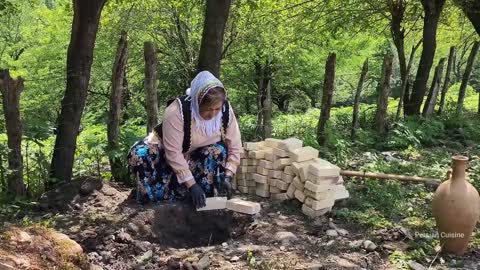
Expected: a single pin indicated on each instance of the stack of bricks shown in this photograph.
(284, 169)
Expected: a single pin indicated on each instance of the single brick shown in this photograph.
(280, 163)
(260, 178)
(280, 196)
(272, 182)
(323, 180)
(298, 185)
(242, 169)
(263, 187)
(318, 205)
(323, 168)
(253, 162)
(259, 154)
(289, 170)
(303, 154)
(280, 153)
(244, 161)
(251, 183)
(282, 185)
(251, 146)
(252, 190)
(243, 154)
(317, 188)
(275, 190)
(265, 164)
(240, 176)
(251, 169)
(341, 192)
(272, 142)
(287, 178)
(291, 191)
(290, 144)
(314, 213)
(270, 157)
(243, 189)
(262, 171)
(213, 203)
(320, 196)
(299, 195)
(263, 193)
(275, 174)
(242, 182)
(242, 206)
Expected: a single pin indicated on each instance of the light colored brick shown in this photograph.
(244, 162)
(291, 191)
(243, 154)
(287, 178)
(290, 144)
(251, 183)
(274, 190)
(265, 164)
(252, 190)
(340, 180)
(275, 174)
(303, 154)
(241, 206)
(280, 163)
(323, 180)
(280, 196)
(243, 189)
(298, 185)
(242, 182)
(341, 192)
(240, 176)
(259, 154)
(270, 157)
(253, 162)
(263, 193)
(251, 169)
(312, 213)
(272, 142)
(318, 205)
(272, 182)
(289, 170)
(242, 169)
(323, 168)
(213, 203)
(280, 153)
(260, 178)
(262, 171)
(282, 185)
(320, 196)
(300, 195)
(263, 187)
(317, 188)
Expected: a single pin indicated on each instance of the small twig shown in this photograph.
(435, 257)
(209, 240)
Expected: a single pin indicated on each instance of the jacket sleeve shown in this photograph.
(172, 129)
(234, 143)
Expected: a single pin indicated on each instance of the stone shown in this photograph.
(331, 233)
(251, 169)
(299, 195)
(319, 205)
(235, 259)
(275, 190)
(245, 207)
(287, 178)
(270, 157)
(242, 169)
(272, 182)
(355, 244)
(275, 174)
(124, 237)
(290, 144)
(303, 154)
(285, 237)
(252, 162)
(291, 191)
(260, 178)
(280, 196)
(323, 168)
(416, 266)
(369, 245)
(203, 263)
(298, 185)
(289, 170)
(281, 163)
(262, 171)
(317, 188)
(280, 153)
(243, 189)
(314, 213)
(272, 142)
(265, 164)
(342, 232)
(252, 146)
(263, 193)
(323, 180)
(214, 203)
(145, 257)
(341, 192)
(259, 154)
(282, 185)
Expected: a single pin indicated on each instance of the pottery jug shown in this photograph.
(456, 208)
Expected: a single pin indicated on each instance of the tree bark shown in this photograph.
(11, 90)
(356, 102)
(383, 94)
(151, 84)
(466, 76)
(432, 10)
(260, 97)
(86, 16)
(216, 16)
(471, 8)
(405, 95)
(397, 11)
(115, 113)
(267, 111)
(446, 83)
(431, 101)
(327, 95)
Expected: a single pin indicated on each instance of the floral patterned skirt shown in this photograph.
(157, 182)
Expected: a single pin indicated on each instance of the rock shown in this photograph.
(282, 248)
(202, 264)
(145, 257)
(285, 237)
(133, 228)
(355, 244)
(124, 237)
(331, 233)
(89, 185)
(187, 266)
(315, 267)
(94, 267)
(342, 232)
(234, 259)
(416, 266)
(224, 245)
(332, 225)
(369, 245)
(142, 245)
(4, 266)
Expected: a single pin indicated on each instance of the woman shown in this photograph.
(169, 167)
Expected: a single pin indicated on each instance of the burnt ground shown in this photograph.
(118, 233)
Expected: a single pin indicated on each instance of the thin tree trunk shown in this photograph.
(151, 84)
(466, 76)
(471, 8)
(2, 174)
(327, 95)
(356, 102)
(397, 11)
(405, 95)
(446, 83)
(11, 90)
(260, 97)
(431, 101)
(115, 113)
(383, 94)
(267, 111)
(86, 16)
(432, 9)
(216, 16)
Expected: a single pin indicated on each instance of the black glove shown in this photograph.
(198, 196)
(227, 185)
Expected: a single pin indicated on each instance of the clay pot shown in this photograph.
(456, 208)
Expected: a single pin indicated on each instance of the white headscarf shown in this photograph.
(200, 85)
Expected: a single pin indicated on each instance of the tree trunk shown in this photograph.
(86, 17)
(431, 101)
(383, 93)
(432, 10)
(327, 95)
(150, 53)
(115, 113)
(471, 8)
(466, 76)
(446, 83)
(397, 11)
(404, 95)
(267, 111)
(216, 16)
(356, 102)
(11, 90)
(260, 97)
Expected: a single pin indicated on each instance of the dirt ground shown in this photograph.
(117, 233)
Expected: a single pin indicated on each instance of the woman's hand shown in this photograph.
(198, 196)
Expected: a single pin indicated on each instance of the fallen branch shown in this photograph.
(428, 181)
